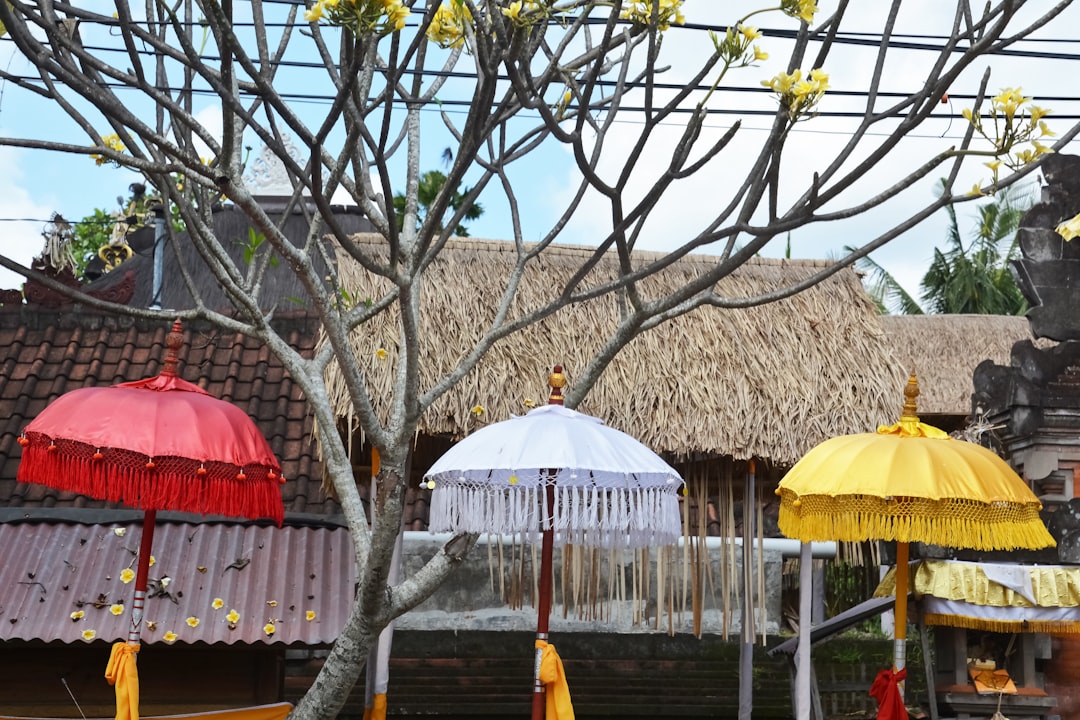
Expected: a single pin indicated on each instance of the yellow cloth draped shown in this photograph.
(1051, 586)
(911, 427)
(122, 672)
(377, 711)
(556, 691)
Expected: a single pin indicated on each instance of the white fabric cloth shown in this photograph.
(1015, 577)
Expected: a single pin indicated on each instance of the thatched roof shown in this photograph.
(944, 350)
(767, 382)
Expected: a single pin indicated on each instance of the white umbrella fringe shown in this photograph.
(597, 517)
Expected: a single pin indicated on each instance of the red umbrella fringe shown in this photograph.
(164, 483)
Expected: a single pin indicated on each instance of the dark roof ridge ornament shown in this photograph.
(173, 341)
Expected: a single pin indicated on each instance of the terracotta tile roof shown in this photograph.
(48, 354)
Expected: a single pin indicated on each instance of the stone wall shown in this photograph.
(476, 595)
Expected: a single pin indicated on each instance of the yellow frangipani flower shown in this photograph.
(309, 615)
(152, 561)
(807, 10)
(395, 14)
(976, 190)
(799, 96)
(782, 83)
(641, 12)
(169, 637)
(89, 634)
(1045, 131)
(1037, 113)
(119, 532)
(78, 615)
(112, 141)
(760, 54)
(513, 10)
(994, 165)
(360, 16)
(477, 410)
(192, 622)
(381, 353)
(749, 32)
(217, 603)
(116, 609)
(820, 78)
(127, 575)
(448, 25)
(269, 628)
(1070, 228)
(802, 9)
(233, 616)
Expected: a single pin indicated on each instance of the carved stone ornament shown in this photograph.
(267, 174)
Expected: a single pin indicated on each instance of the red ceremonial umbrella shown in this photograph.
(155, 444)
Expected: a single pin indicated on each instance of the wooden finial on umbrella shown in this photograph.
(173, 341)
(911, 391)
(557, 381)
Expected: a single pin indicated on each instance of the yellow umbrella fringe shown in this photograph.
(1053, 627)
(946, 522)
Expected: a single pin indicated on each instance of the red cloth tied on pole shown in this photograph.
(886, 690)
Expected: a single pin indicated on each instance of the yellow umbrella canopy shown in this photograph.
(909, 482)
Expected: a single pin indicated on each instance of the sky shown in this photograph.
(34, 184)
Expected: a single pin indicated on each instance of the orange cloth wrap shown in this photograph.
(556, 690)
(122, 673)
(377, 711)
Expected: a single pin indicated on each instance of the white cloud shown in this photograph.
(20, 233)
(691, 205)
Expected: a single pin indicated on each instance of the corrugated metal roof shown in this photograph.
(265, 574)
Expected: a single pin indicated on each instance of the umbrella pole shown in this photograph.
(147, 542)
(543, 603)
(900, 612)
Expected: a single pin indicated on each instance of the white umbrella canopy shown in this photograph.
(609, 489)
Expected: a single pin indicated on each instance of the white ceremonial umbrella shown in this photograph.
(554, 473)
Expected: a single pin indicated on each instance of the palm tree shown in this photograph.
(977, 278)
(431, 183)
(972, 278)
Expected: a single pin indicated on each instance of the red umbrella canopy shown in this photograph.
(155, 444)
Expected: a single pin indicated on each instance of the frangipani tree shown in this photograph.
(503, 80)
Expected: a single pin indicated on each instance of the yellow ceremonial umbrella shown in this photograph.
(909, 482)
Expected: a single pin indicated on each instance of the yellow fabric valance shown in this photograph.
(992, 584)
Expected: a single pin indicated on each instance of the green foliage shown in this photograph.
(88, 236)
(251, 247)
(973, 277)
(431, 184)
(847, 585)
(976, 277)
